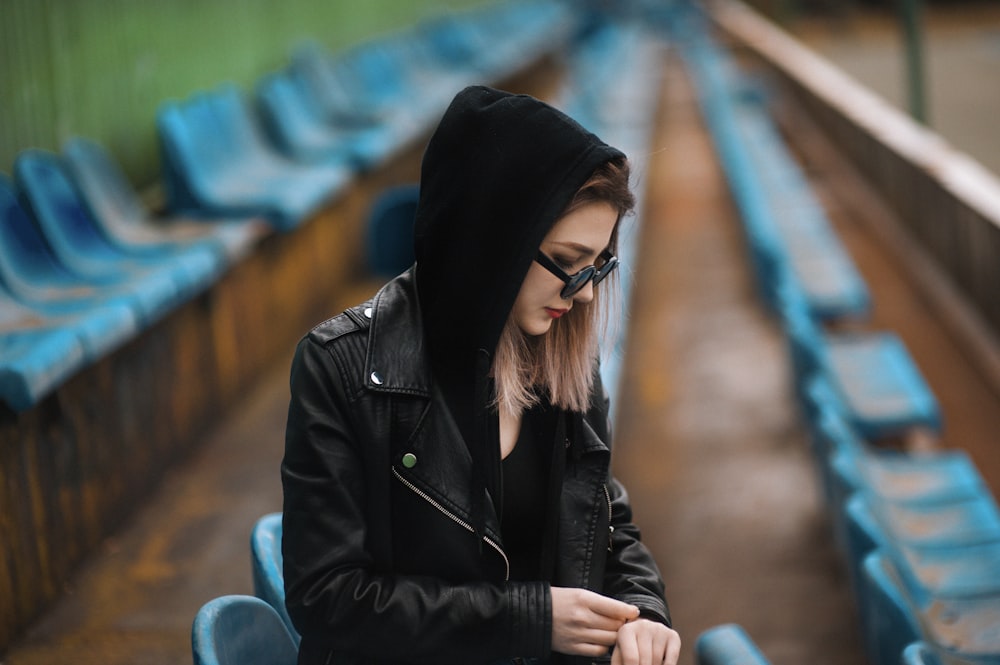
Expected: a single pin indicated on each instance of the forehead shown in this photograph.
(589, 226)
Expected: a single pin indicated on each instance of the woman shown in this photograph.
(447, 492)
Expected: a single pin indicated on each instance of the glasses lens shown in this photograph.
(578, 281)
(605, 270)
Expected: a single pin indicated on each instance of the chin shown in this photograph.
(537, 328)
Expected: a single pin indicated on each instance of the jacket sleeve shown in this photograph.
(335, 596)
(631, 574)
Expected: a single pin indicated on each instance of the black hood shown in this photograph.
(497, 173)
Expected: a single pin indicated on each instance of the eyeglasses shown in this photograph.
(579, 279)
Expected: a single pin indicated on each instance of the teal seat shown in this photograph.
(218, 161)
(920, 653)
(727, 644)
(875, 382)
(266, 562)
(240, 630)
(116, 208)
(103, 318)
(389, 231)
(34, 362)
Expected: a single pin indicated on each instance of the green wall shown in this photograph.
(100, 68)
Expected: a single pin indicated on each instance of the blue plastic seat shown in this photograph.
(920, 653)
(877, 384)
(266, 560)
(727, 644)
(964, 628)
(850, 464)
(889, 623)
(117, 209)
(218, 162)
(104, 317)
(389, 232)
(240, 630)
(35, 362)
(296, 122)
(78, 243)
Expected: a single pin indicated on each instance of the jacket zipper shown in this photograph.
(611, 529)
(455, 518)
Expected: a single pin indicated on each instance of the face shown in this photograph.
(574, 242)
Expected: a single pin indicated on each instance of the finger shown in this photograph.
(627, 647)
(612, 608)
(673, 648)
(602, 638)
(644, 644)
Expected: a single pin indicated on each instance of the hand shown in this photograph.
(585, 623)
(645, 642)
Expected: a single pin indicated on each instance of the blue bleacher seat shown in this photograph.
(727, 644)
(875, 381)
(240, 630)
(920, 653)
(889, 624)
(30, 275)
(35, 362)
(959, 628)
(217, 161)
(118, 210)
(389, 231)
(266, 562)
(50, 198)
(297, 125)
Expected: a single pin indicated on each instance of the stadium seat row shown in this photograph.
(85, 266)
(920, 533)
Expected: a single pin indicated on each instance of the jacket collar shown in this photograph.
(397, 360)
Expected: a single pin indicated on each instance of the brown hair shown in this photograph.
(559, 364)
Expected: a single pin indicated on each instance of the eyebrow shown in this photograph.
(583, 249)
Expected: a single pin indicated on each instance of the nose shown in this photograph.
(586, 294)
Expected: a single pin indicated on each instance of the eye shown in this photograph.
(563, 262)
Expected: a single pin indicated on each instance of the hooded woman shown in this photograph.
(447, 494)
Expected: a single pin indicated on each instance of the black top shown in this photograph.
(525, 481)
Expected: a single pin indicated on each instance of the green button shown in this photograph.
(409, 460)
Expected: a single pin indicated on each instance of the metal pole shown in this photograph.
(912, 18)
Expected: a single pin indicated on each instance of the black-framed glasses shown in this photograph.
(579, 279)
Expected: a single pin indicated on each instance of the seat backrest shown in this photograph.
(727, 644)
(889, 623)
(102, 185)
(52, 198)
(266, 564)
(27, 265)
(920, 653)
(389, 245)
(240, 630)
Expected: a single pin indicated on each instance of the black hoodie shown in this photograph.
(498, 172)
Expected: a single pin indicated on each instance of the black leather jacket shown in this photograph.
(381, 562)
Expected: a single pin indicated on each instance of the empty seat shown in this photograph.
(118, 210)
(103, 317)
(34, 362)
(874, 379)
(218, 162)
(240, 630)
(389, 231)
(266, 562)
(727, 644)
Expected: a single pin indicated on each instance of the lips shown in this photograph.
(555, 313)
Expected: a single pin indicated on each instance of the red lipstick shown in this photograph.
(554, 312)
